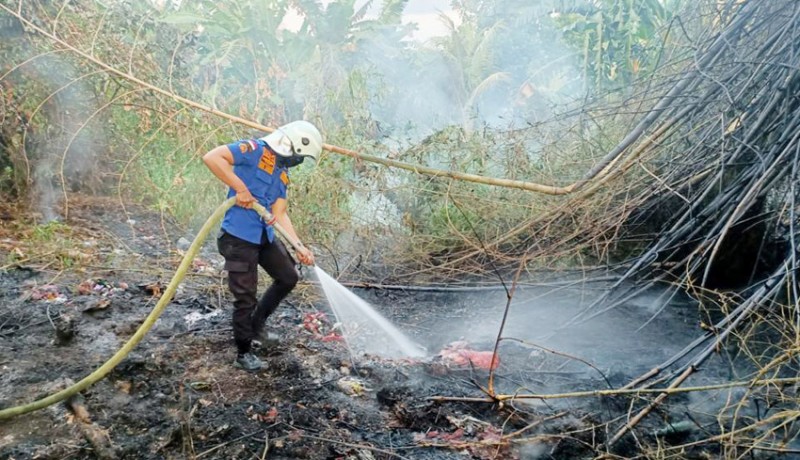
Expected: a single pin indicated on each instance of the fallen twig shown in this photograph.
(562, 354)
(221, 445)
(354, 445)
(619, 392)
(533, 425)
(97, 437)
(266, 445)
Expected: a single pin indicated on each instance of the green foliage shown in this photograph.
(49, 232)
(8, 184)
(349, 73)
(165, 167)
(468, 51)
(619, 40)
(319, 199)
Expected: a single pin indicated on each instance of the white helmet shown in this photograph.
(296, 138)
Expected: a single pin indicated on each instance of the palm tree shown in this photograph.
(345, 40)
(468, 51)
(236, 54)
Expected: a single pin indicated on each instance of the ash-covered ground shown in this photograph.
(178, 396)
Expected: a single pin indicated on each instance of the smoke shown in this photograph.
(496, 73)
(66, 141)
(622, 340)
(500, 74)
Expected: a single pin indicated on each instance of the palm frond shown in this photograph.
(392, 11)
(359, 15)
(487, 83)
(483, 53)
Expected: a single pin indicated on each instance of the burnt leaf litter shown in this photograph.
(177, 395)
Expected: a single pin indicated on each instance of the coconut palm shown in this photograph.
(234, 50)
(346, 41)
(468, 52)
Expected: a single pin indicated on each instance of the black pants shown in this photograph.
(242, 259)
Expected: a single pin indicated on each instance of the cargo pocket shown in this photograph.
(237, 266)
(222, 243)
(243, 282)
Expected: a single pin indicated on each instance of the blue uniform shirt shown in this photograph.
(258, 167)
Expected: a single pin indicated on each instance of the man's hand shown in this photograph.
(305, 256)
(244, 198)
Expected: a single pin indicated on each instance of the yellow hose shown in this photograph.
(148, 322)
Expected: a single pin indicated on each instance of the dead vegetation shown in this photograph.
(700, 194)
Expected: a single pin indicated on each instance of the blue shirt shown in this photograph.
(258, 167)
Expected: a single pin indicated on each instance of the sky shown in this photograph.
(425, 13)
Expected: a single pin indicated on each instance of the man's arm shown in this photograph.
(220, 161)
(282, 218)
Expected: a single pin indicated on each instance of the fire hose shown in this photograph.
(151, 318)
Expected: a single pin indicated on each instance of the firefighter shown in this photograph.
(257, 170)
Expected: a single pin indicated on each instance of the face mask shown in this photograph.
(292, 161)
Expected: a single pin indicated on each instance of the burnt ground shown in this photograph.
(72, 294)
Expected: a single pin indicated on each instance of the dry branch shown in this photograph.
(599, 171)
(97, 437)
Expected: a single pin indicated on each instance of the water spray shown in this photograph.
(363, 326)
(100, 373)
(386, 339)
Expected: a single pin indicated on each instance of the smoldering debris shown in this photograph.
(178, 389)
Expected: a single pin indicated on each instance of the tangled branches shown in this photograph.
(726, 172)
(698, 189)
(711, 189)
